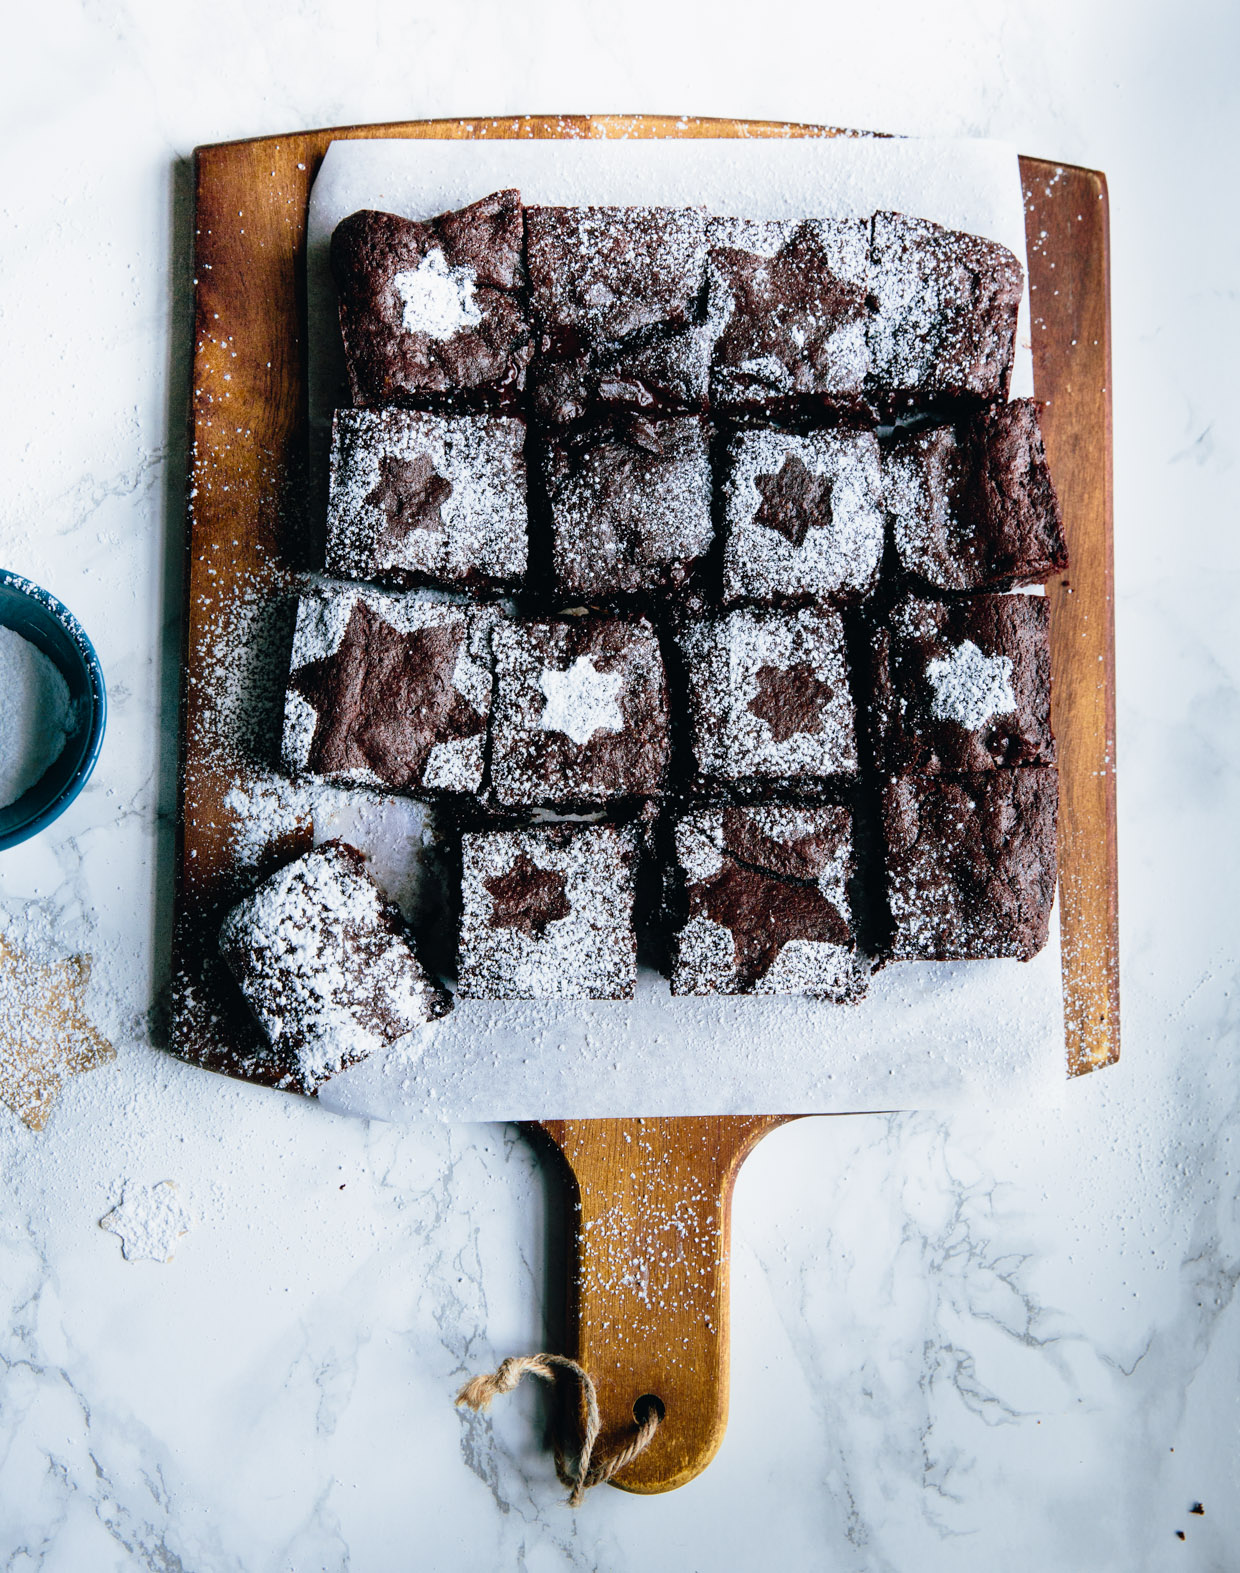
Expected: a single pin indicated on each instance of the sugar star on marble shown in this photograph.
(45, 1034)
(581, 701)
(149, 1219)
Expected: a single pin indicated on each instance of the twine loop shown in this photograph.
(585, 1470)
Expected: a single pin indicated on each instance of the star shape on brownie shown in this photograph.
(149, 1219)
(812, 303)
(527, 897)
(764, 912)
(970, 687)
(45, 1034)
(790, 699)
(383, 699)
(581, 701)
(793, 500)
(410, 494)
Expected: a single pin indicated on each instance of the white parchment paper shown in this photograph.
(929, 1035)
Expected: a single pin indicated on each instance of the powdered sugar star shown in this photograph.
(438, 300)
(581, 701)
(149, 1219)
(971, 686)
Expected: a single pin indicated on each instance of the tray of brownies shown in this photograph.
(618, 681)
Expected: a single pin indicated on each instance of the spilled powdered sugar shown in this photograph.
(438, 300)
(149, 1219)
(840, 554)
(581, 701)
(970, 686)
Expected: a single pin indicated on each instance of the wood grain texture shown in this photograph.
(649, 1291)
(648, 1294)
(1068, 240)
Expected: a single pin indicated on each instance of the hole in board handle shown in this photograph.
(643, 1406)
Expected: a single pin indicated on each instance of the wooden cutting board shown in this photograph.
(649, 1291)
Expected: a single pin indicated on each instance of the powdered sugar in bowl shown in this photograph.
(53, 708)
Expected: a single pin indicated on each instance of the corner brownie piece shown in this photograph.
(768, 697)
(325, 964)
(434, 310)
(971, 864)
(387, 691)
(963, 685)
(943, 324)
(547, 914)
(616, 294)
(427, 499)
(973, 506)
(764, 898)
(802, 516)
(630, 505)
(787, 304)
(580, 713)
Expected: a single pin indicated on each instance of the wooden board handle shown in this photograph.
(648, 1310)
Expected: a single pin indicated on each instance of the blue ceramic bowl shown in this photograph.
(52, 628)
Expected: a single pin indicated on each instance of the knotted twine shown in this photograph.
(586, 1470)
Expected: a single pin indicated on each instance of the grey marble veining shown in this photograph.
(957, 1344)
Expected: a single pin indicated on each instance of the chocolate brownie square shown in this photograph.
(971, 864)
(581, 714)
(388, 691)
(768, 697)
(547, 913)
(326, 966)
(943, 324)
(617, 296)
(764, 900)
(802, 516)
(630, 505)
(972, 506)
(787, 304)
(434, 311)
(963, 685)
(427, 499)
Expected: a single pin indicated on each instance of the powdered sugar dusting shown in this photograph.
(149, 1219)
(590, 953)
(970, 686)
(840, 554)
(313, 951)
(480, 531)
(581, 701)
(438, 300)
(727, 660)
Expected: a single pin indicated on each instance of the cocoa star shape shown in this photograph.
(764, 913)
(790, 699)
(384, 698)
(410, 494)
(811, 304)
(793, 500)
(45, 1034)
(527, 897)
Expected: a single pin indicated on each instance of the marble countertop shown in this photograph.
(956, 1343)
